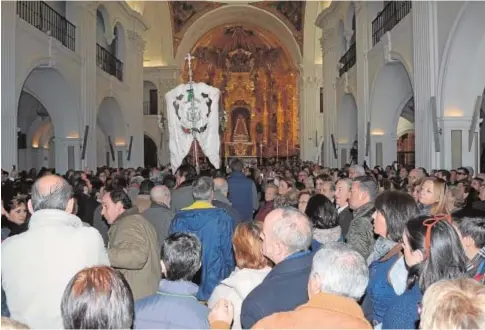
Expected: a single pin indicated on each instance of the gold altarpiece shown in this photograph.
(258, 84)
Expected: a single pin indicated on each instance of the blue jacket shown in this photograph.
(174, 306)
(283, 289)
(241, 190)
(402, 312)
(379, 290)
(214, 228)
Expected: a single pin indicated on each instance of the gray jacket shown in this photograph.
(160, 216)
(361, 231)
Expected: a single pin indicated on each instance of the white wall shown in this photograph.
(58, 85)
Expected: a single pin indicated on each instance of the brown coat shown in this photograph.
(323, 311)
(134, 250)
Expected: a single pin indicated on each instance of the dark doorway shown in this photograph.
(153, 101)
(151, 159)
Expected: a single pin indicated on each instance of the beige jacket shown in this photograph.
(134, 250)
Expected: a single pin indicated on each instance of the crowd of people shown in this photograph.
(286, 245)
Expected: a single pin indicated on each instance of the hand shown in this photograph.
(223, 311)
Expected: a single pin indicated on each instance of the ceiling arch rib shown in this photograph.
(239, 14)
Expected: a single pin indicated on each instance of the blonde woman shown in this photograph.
(432, 196)
(454, 304)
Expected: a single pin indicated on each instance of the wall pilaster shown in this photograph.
(330, 73)
(311, 130)
(9, 95)
(87, 49)
(425, 63)
(134, 64)
(363, 45)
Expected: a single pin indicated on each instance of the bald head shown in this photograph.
(160, 195)
(286, 231)
(220, 185)
(51, 192)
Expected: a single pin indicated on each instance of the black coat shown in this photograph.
(344, 219)
(282, 290)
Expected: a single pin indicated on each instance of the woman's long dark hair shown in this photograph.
(446, 259)
(321, 212)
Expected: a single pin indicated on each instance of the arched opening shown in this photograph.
(118, 44)
(48, 124)
(392, 98)
(151, 152)
(150, 98)
(35, 133)
(111, 133)
(102, 21)
(351, 23)
(346, 128)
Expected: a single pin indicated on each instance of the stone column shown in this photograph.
(134, 69)
(87, 49)
(9, 93)
(330, 73)
(310, 114)
(425, 63)
(363, 44)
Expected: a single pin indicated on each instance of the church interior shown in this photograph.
(84, 83)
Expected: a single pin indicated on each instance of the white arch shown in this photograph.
(239, 13)
(111, 122)
(28, 111)
(52, 90)
(347, 120)
(462, 71)
(390, 92)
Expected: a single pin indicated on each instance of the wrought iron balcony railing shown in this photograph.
(388, 18)
(46, 19)
(109, 63)
(150, 108)
(348, 59)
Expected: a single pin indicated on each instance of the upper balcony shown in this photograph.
(388, 18)
(108, 62)
(42, 16)
(348, 59)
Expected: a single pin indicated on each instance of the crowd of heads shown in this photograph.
(436, 217)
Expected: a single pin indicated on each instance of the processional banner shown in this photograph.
(193, 114)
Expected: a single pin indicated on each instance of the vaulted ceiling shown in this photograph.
(185, 13)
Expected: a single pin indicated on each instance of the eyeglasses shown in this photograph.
(460, 173)
(429, 224)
